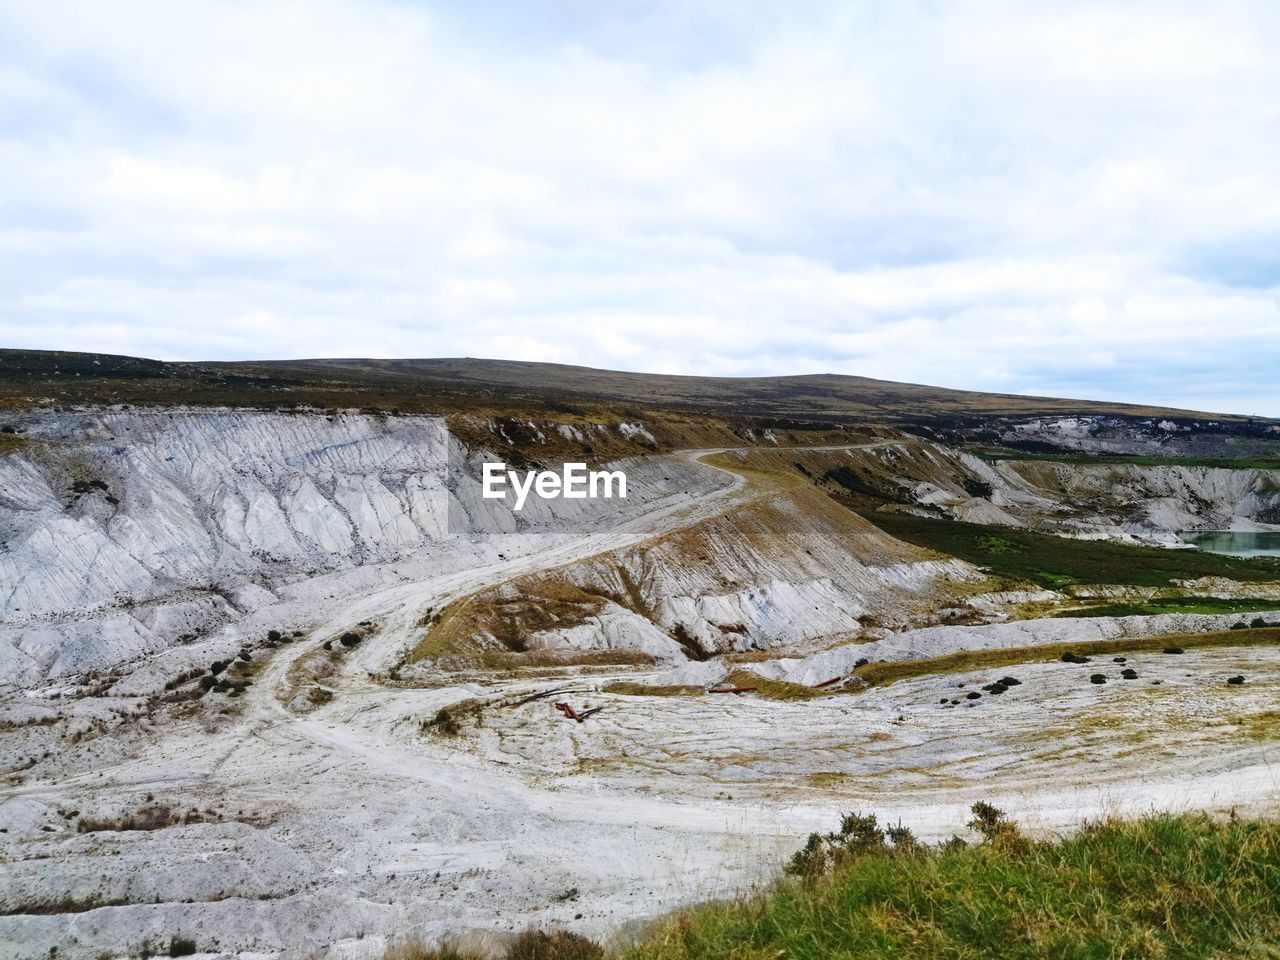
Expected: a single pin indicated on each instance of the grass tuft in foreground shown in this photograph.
(1160, 887)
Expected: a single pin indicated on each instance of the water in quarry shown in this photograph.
(1237, 543)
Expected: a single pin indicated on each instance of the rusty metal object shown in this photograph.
(568, 711)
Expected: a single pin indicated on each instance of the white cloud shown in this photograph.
(1074, 199)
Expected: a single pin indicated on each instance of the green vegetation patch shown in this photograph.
(1056, 562)
(1160, 887)
(1174, 605)
(878, 674)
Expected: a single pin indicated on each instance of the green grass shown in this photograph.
(1174, 605)
(878, 674)
(1166, 887)
(1058, 562)
(1229, 463)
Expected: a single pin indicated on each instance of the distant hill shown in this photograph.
(463, 383)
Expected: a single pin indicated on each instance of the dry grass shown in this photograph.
(772, 689)
(564, 657)
(628, 688)
(12, 443)
(508, 614)
(879, 674)
(529, 945)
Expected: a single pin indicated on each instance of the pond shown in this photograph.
(1237, 544)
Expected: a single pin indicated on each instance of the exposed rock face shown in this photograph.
(172, 514)
(1155, 502)
(1125, 501)
(789, 571)
(127, 531)
(1161, 436)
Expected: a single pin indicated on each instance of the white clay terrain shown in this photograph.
(314, 814)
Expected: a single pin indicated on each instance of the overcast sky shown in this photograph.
(1065, 199)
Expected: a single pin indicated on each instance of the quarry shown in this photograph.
(293, 683)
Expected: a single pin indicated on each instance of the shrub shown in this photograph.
(859, 835)
(350, 639)
(1257, 622)
(996, 828)
(1098, 678)
(986, 818)
(181, 947)
(810, 860)
(902, 838)
(1173, 650)
(443, 723)
(275, 636)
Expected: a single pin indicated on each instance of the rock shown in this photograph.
(1235, 681)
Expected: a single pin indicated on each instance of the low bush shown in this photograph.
(443, 723)
(859, 835)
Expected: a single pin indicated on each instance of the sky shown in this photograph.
(1067, 199)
